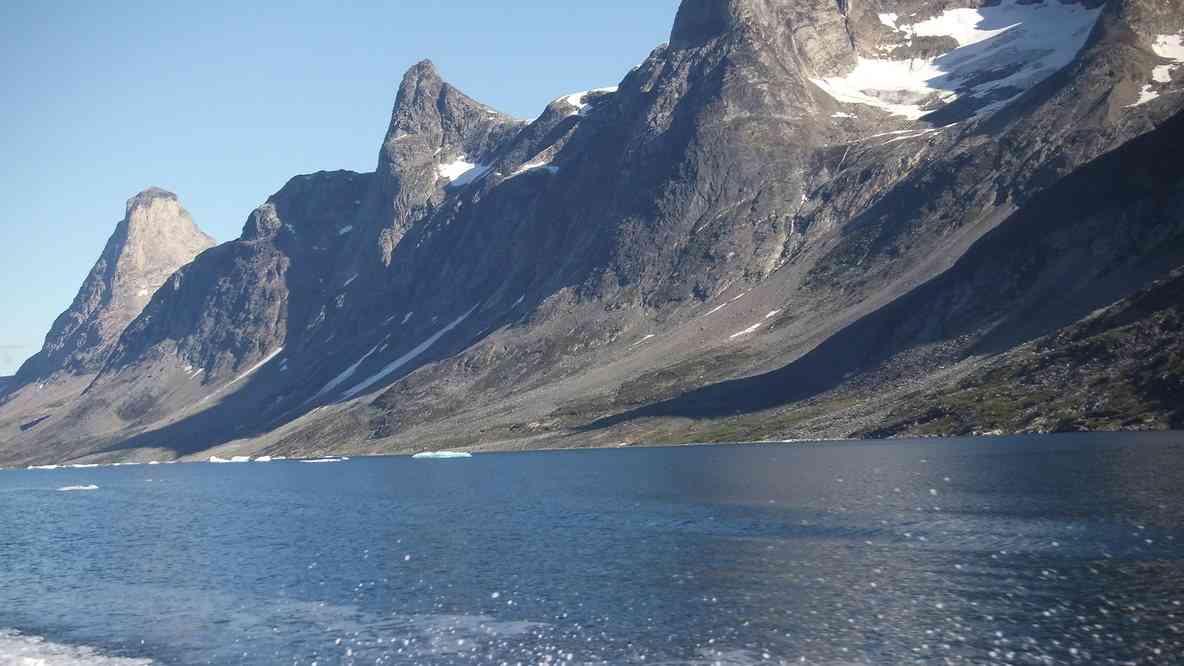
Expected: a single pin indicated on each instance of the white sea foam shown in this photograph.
(17, 649)
(441, 455)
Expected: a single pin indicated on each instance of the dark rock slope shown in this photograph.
(749, 236)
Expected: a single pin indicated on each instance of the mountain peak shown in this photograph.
(149, 195)
(700, 21)
(155, 238)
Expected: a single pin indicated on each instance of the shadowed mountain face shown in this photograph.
(789, 213)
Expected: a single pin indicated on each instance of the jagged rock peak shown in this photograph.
(156, 237)
(700, 21)
(427, 105)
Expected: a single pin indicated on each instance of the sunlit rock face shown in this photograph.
(155, 238)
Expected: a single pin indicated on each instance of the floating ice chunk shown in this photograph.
(345, 230)
(68, 489)
(235, 459)
(441, 455)
(318, 461)
(43, 467)
(264, 459)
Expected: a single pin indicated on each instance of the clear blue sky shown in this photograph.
(222, 104)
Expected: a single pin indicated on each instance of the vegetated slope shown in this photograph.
(740, 205)
(1120, 368)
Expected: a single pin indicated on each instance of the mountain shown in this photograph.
(796, 218)
(155, 237)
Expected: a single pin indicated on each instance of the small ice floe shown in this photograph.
(441, 455)
(83, 466)
(43, 467)
(324, 460)
(69, 489)
(264, 459)
(236, 459)
(345, 230)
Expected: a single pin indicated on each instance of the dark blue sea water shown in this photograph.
(1042, 550)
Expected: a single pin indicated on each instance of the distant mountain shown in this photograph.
(796, 219)
(155, 237)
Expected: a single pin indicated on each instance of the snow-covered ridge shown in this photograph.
(577, 101)
(1002, 51)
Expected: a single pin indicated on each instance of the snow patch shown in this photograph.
(540, 163)
(347, 373)
(840, 114)
(461, 172)
(1169, 47)
(747, 331)
(644, 340)
(1009, 46)
(408, 357)
(577, 103)
(772, 314)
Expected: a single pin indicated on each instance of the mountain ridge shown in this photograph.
(719, 214)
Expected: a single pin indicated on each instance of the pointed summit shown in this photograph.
(155, 238)
(437, 112)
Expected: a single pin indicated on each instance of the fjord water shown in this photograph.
(1060, 549)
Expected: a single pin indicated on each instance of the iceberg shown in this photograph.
(235, 459)
(441, 455)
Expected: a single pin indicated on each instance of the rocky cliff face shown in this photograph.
(790, 209)
(155, 238)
